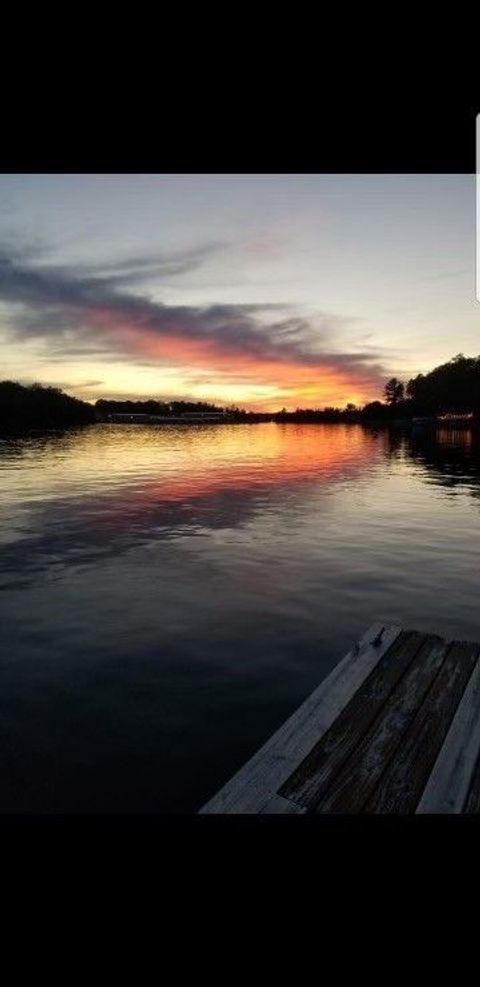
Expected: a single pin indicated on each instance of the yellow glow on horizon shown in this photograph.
(263, 385)
(133, 384)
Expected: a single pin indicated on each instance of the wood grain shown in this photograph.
(311, 780)
(405, 778)
(280, 806)
(448, 786)
(472, 804)
(350, 790)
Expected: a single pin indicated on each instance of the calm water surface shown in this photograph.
(168, 595)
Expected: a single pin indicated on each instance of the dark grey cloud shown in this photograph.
(136, 269)
(69, 306)
(64, 385)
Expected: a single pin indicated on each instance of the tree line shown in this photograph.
(104, 407)
(452, 387)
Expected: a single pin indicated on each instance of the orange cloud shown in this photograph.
(294, 382)
(257, 355)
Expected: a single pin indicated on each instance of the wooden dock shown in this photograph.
(395, 728)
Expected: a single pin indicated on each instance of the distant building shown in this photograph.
(466, 416)
(188, 416)
(201, 416)
(117, 417)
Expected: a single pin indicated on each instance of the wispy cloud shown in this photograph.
(86, 311)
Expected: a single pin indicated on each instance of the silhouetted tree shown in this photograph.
(394, 391)
(454, 386)
(40, 407)
(374, 410)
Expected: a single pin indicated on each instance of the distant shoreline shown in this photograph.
(429, 427)
(446, 397)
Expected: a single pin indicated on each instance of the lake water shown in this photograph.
(169, 595)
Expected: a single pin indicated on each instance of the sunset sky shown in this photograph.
(262, 291)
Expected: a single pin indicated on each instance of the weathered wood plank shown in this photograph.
(349, 791)
(312, 779)
(278, 805)
(472, 804)
(253, 786)
(401, 786)
(448, 786)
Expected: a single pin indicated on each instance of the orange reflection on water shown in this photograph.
(141, 465)
(454, 436)
(189, 463)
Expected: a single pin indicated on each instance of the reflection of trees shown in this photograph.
(396, 441)
(19, 446)
(451, 458)
(392, 439)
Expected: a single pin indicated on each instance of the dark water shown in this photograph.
(169, 595)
